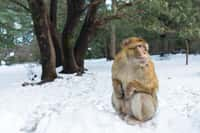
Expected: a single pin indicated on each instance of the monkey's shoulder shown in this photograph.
(119, 63)
(120, 56)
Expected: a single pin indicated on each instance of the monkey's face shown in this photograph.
(137, 53)
(136, 50)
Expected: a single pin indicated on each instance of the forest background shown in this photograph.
(65, 32)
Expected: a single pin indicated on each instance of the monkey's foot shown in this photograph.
(131, 120)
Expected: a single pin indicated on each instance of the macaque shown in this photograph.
(135, 83)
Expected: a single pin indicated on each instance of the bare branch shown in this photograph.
(113, 17)
(21, 5)
(124, 5)
(105, 20)
(117, 16)
(94, 3)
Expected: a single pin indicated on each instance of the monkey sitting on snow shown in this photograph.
(135, 83)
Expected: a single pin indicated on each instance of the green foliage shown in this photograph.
(148, 19)
(27, 53)
(15, 24)
(61, 14)
(97, 45)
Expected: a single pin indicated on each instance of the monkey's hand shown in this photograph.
(139, 87)
(130, 90)
(136, 84)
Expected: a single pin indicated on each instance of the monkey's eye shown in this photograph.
(139, 46)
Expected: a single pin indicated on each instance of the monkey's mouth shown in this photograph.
(142, 60)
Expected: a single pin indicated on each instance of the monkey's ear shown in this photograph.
(125, 42)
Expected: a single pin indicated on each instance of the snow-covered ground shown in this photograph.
(75, 104)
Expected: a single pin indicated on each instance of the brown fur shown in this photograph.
(135, 82)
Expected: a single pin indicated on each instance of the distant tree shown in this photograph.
(180, 18)
(111, 46)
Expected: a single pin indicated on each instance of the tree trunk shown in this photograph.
(54, 33)
(87, 30)
(53, 12)
(187, 51)
(111, 48)
(162, 46)
(73, 16)
(70, 65)
(42, 30)
(166, 46)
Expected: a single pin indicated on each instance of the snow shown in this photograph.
(17, 25)
(82, 104)
(12, 54)
(3, 62)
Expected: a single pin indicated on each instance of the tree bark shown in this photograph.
(187, 51)
(43, 33)
(74, 11)
(86, 32)
(57, 45)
